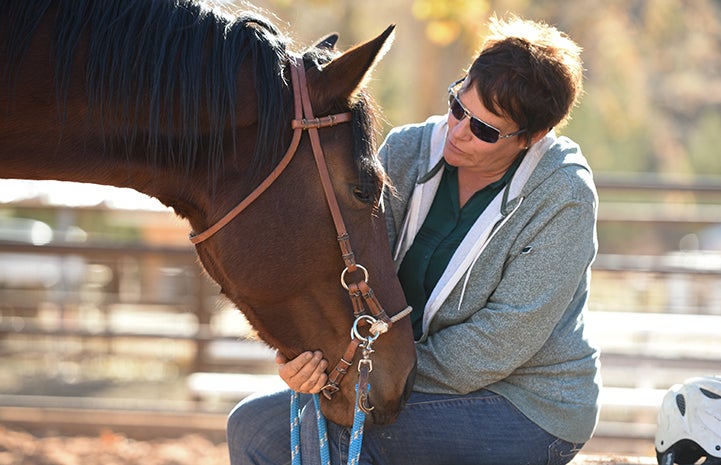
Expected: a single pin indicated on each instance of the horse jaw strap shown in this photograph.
(299, 124)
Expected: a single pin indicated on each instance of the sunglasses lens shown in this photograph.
(484, 131)
(478, 128)
(456, 108)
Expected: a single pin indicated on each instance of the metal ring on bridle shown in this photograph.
(342, 276)
(355, 334)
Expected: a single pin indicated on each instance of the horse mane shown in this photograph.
(191, 56)
(373, 177)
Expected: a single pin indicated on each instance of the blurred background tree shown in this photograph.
(653, 68)
(651, 110)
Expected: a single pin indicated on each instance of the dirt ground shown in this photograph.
(18, 447)
(21, 448)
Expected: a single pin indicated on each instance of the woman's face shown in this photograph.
(466, 151)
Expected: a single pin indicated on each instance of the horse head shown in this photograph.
(289, 284)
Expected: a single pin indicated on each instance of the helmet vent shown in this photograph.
(709, 394)
(681, 403)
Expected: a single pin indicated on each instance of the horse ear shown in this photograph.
(343, 76)
(329, 42)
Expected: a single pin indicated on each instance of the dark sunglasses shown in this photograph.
(480, 129)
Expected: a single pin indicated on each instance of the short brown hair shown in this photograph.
(529, 71)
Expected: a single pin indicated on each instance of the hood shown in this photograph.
(543, 158)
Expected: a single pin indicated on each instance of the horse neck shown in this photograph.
(44, 137)
(49, 132)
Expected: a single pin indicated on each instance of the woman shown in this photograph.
(493, 221)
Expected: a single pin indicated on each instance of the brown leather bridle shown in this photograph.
(360, 293)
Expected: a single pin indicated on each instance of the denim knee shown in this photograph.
(258, 431)
(238, 428)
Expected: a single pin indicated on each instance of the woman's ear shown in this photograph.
(535, 137)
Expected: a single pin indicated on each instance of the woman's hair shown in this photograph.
(529, 71)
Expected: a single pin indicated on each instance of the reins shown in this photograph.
(367, 310)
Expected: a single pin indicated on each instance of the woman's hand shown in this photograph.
(305, 373)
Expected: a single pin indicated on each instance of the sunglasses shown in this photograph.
(480, 129)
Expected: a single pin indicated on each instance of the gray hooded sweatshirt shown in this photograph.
(507, 315)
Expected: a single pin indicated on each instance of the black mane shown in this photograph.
(148, 59)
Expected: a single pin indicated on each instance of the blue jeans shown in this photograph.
(480, 428)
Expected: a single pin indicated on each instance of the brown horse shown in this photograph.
(194, 107)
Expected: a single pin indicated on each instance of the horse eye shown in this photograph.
(362, 194)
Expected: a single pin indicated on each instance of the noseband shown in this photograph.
(360, 293)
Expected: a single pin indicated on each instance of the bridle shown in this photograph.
(360, 293)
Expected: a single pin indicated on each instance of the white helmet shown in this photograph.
(689, 423)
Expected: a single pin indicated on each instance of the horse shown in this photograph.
(195, 106)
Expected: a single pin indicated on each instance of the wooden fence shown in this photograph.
(657, 318)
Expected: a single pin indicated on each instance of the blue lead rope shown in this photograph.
(356, 435)
(294, 428)
(356, 438)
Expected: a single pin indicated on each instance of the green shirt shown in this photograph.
(443, 230)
